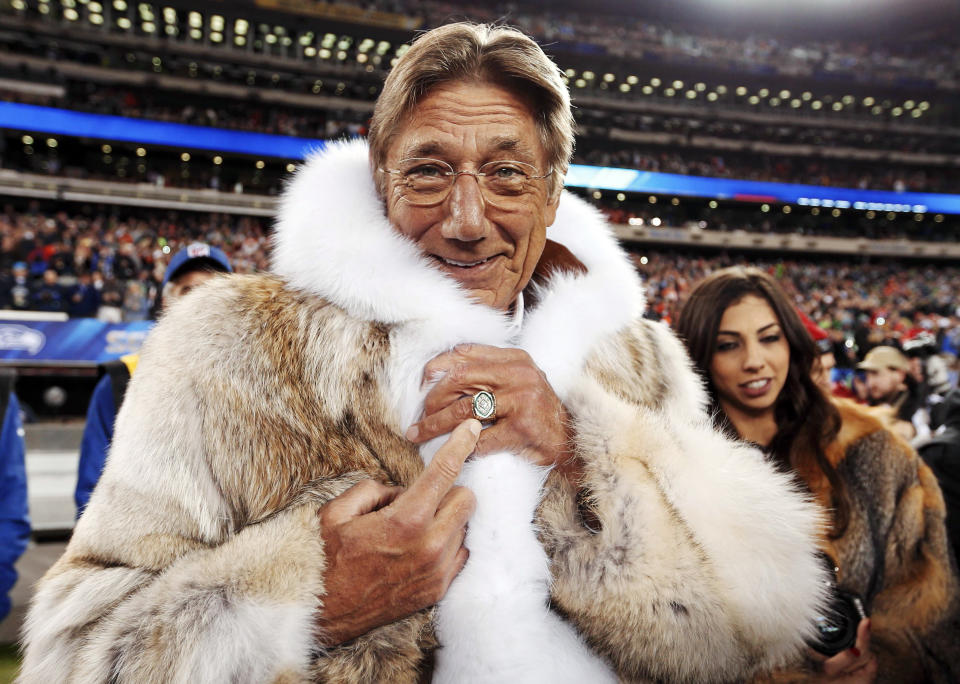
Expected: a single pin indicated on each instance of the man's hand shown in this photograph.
(530, 419)
(391, 552)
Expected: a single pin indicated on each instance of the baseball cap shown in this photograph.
(882, 357)
(820, 337)
(196, 251)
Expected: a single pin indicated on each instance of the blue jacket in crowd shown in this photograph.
(14, 518)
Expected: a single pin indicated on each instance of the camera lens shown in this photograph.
(837, 627)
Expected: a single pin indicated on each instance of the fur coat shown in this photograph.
(259, 398)
(894, 552)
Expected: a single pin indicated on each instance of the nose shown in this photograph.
(465, 219)
(753, 358)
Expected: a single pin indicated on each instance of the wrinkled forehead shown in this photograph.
(462, 120)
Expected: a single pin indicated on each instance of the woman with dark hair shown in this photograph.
(885, 534)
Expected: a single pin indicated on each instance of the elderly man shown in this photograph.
(265, 513)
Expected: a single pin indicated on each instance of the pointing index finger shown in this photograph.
(438, 477)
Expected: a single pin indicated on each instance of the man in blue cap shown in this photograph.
(190, 267)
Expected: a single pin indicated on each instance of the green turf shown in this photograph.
(9, 663)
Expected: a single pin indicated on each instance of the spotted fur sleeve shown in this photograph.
(701, 562)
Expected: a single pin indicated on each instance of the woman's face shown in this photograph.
(751, 358)
(491, 251)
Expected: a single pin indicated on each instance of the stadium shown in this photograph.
(819, 143)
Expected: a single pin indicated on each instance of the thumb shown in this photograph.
(362, 498)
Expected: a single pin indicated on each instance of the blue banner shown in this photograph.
(104, 127)
(80, 340)
(631, 180)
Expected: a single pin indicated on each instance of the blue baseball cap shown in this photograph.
(201, 251)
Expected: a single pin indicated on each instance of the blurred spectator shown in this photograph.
(49, 295)
(14, 518)
(84, 298)
(190, 267)
(942, 454)
(890, 384)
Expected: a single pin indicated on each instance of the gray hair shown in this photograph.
(495, 54)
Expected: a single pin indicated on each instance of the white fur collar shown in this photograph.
(333, 239)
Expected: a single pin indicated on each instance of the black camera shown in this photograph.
(837, 626)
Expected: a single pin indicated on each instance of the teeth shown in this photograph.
(756, 384)
(462, 264)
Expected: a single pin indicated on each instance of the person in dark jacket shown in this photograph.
(14, 518)
(190, 267)
(942, 454)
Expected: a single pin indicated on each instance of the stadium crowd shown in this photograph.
(107, 262)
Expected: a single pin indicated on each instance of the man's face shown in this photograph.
(181, 285)
(490, 251)
(884, 384)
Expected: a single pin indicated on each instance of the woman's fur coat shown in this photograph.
(894, 552)
(258, 398)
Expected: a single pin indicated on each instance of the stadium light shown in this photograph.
(259, 164)
(774, 101)
(120, 5)
(916, 113)
(764, 208)
(868, 101)
(218, 160)
(835, 213)
(185, 157)
(216, 37)
(712, 204)
(753, 99)
(741, 91)
(652, 199)
(95, 7)
(787, 209)
(871, 214)
(580, 83)
(647, 90)
(795, 103)
(897, 111)
(784, 94)
(95, 19)
(27, 140)
(712, 97)
(816, 104)
(141, 152)
(196, 34)
(938, 218)
(609, 78)
(655, 221)
(691, 94)
(837, 106)
(362, 58)
(18, 5)
(763, 92)
(806, 96)
(721, 90)
(148, 27)
(632, 80)
(71, 14)
(877, 110)
(43, 8)
(239, 41)
(106, 149)
(848, 99)
(700, 87)
(588, 75)
(625, 88)
(217, 23)
(909, 104)
(270, 39)
(621, 197)
(570, 73)
(675, 201)
(195, 20)
(655, 82)
(669, 92)
(324, 53)
(240, 27)
(310, 51)
(924, 106)
(597, 194)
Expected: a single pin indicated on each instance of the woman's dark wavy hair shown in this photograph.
(807, 422)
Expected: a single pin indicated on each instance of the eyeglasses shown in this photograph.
(424, 182)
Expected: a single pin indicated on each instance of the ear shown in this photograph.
(550, 213)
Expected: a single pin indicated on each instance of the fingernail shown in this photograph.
(855, 651)
(475, 426)
(412, 433)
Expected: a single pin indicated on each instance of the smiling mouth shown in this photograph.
(462, 264)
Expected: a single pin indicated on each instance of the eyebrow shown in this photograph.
(432, 148)
(736, 334)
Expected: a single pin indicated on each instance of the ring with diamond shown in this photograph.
(484, 406)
